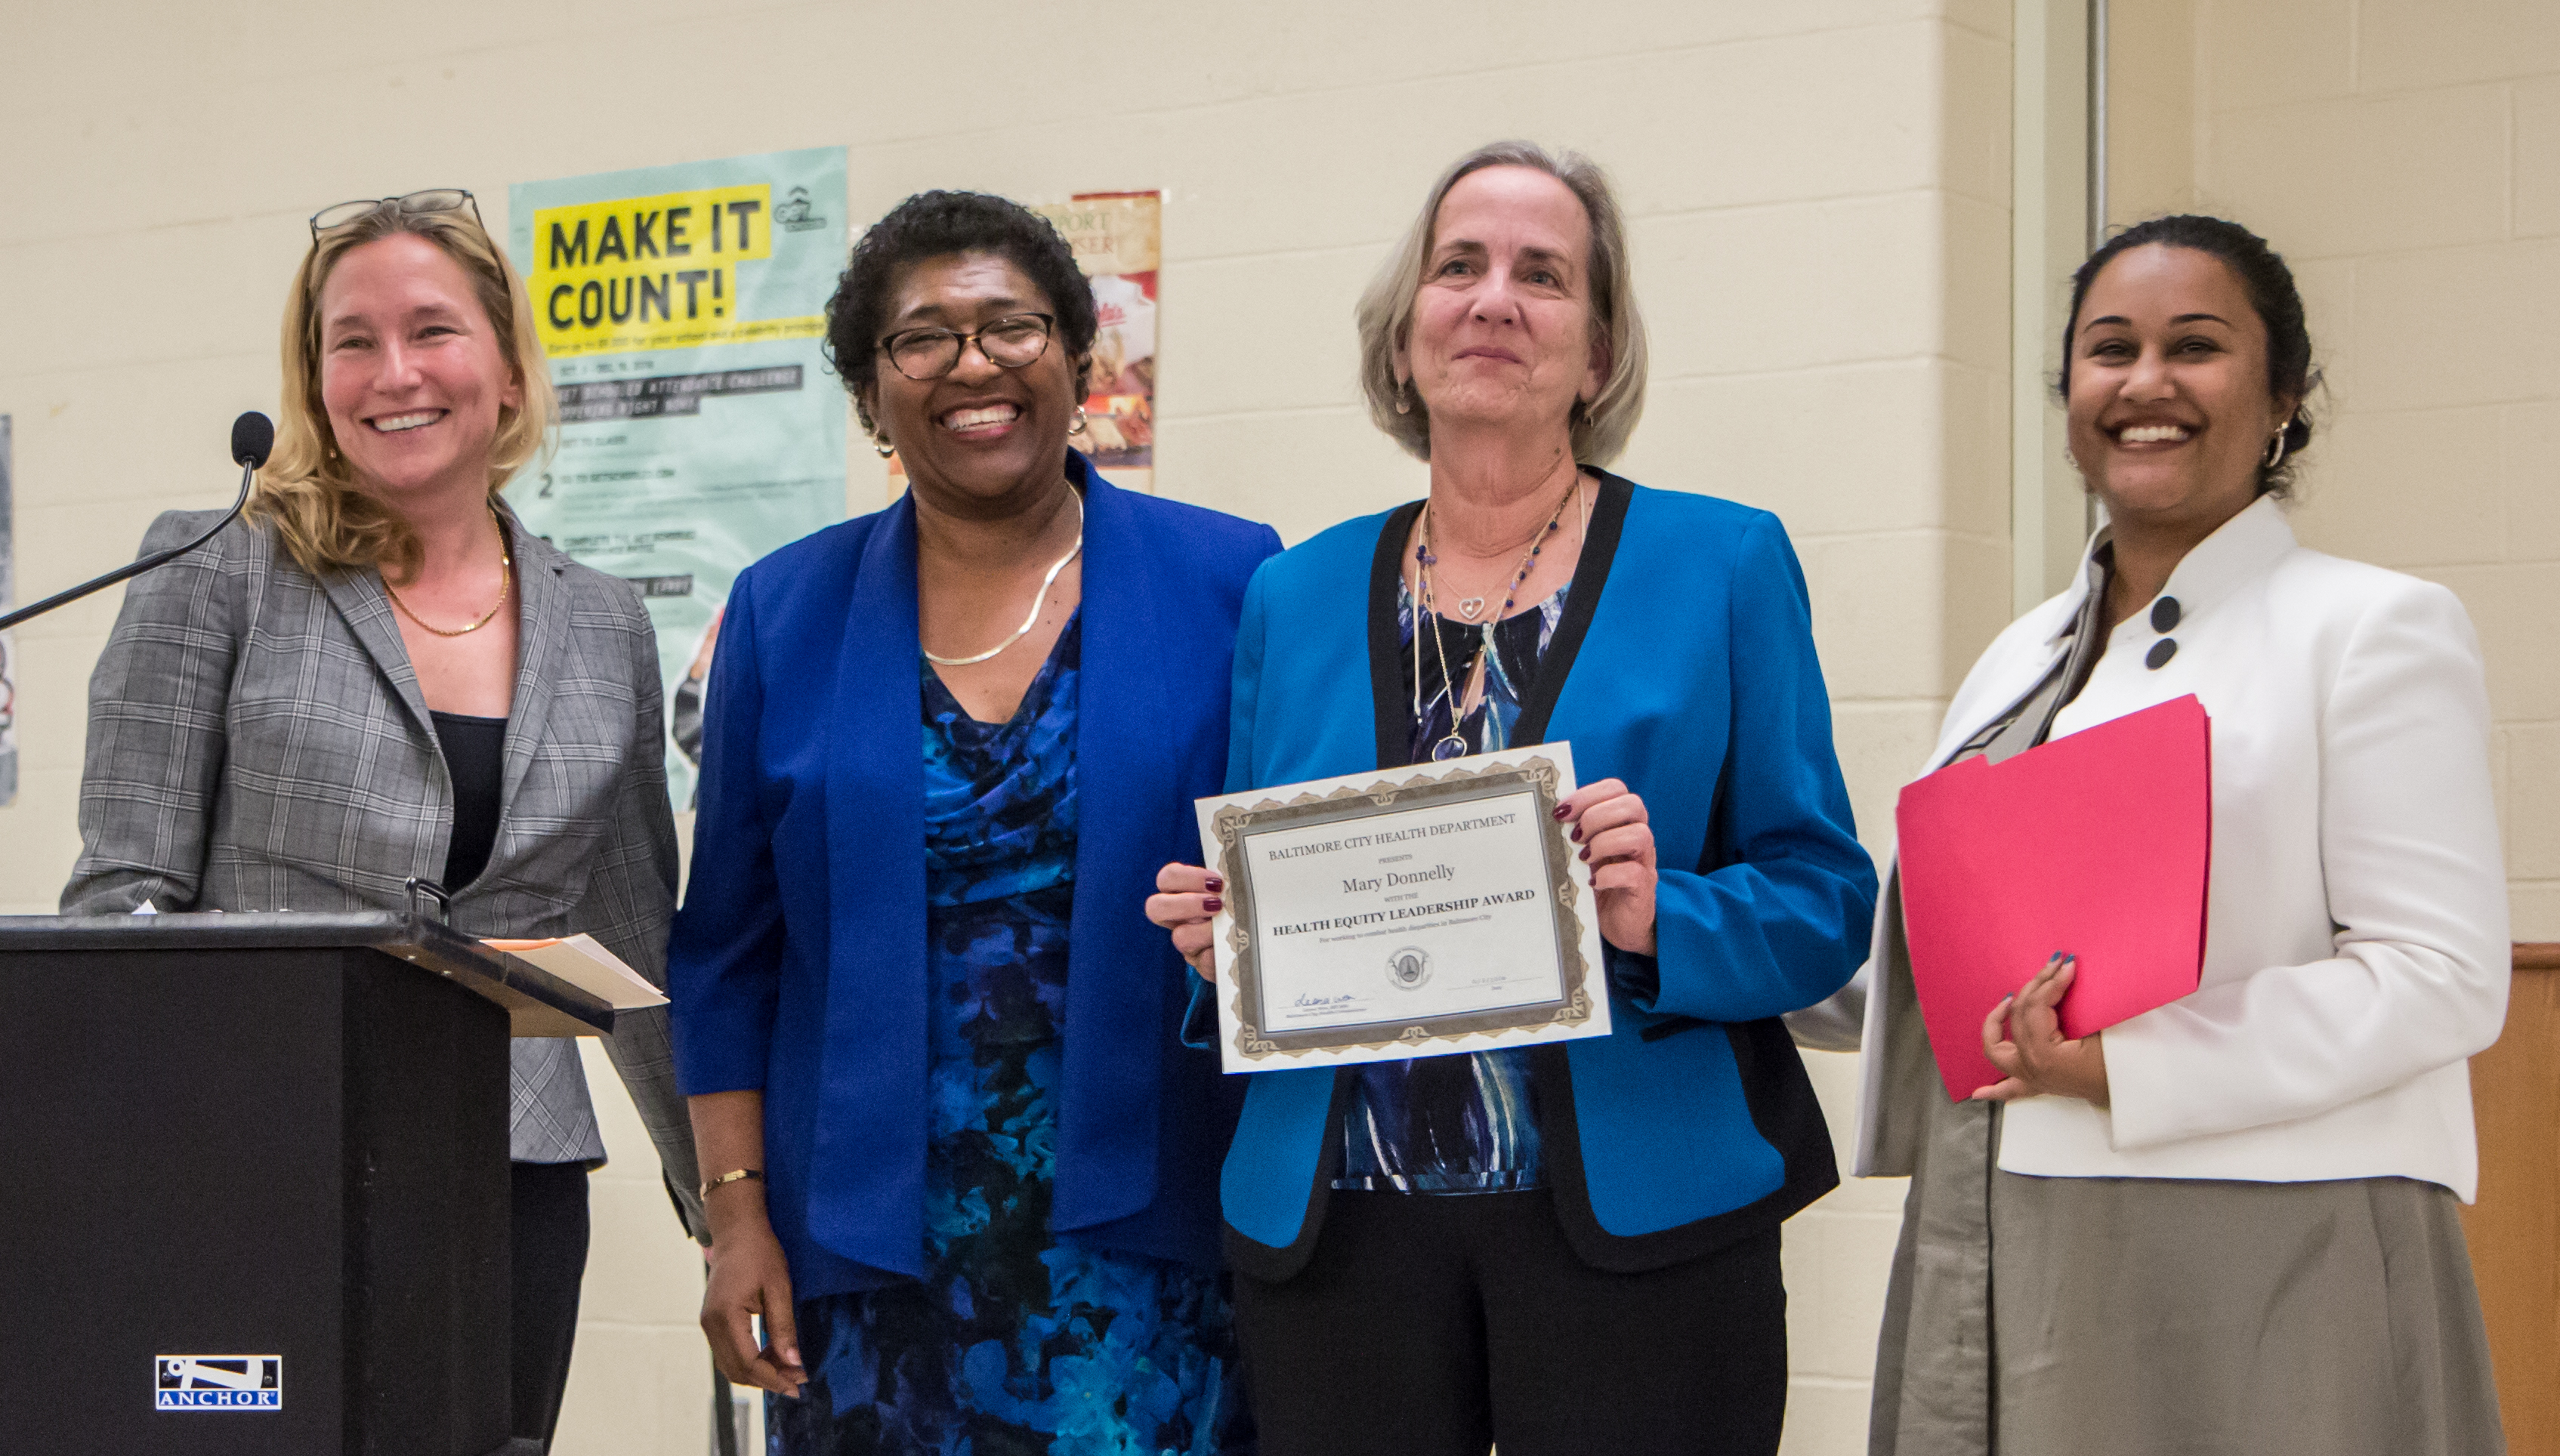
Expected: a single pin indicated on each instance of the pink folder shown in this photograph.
(2096, 844)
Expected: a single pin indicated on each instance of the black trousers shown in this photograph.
(548, 1223)
(1440, 1325)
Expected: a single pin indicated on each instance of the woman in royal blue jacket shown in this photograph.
(1560, 1249)
(956, 1155)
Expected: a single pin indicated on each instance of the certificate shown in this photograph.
(1406, 912)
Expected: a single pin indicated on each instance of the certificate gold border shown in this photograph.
(1422, 786)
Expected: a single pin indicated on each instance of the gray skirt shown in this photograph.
(2145, 1316)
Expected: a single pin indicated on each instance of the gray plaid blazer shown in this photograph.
(257, 742)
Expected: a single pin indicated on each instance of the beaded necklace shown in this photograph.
(1451, 744)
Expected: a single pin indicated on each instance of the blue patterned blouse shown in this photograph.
(1015, 1341)
(1459, 1123)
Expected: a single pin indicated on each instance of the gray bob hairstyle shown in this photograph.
(1385, 315)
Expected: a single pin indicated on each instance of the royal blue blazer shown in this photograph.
(798, 961)
(1683, 665)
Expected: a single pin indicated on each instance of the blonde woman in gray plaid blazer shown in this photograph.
(324, 703)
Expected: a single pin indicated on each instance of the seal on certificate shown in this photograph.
(1409, 968)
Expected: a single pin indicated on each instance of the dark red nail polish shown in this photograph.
(1212, 904)
(1563, 811)
(1215, 885)
(1587, 856)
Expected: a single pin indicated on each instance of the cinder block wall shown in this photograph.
(2405, 156)
(1819, 192)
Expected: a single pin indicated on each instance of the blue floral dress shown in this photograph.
(1015, 1343)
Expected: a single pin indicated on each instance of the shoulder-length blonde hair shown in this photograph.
(1600, 428)
(306, 490)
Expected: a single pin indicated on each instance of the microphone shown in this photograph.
(252, 437)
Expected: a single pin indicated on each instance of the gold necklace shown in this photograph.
(505, 579)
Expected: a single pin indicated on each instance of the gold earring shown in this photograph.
(2274, 456)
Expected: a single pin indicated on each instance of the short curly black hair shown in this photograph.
(2263, 275)
(938, 224)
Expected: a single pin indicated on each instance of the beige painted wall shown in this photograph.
(1819, 200)
(2408, 161)
(2404, 155)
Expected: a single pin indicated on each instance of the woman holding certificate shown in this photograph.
(1569, 1247)
(956, 1156)
(2227, 1223)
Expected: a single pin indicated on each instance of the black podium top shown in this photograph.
(538, 1003)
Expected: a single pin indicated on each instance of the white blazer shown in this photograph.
(2356, 947)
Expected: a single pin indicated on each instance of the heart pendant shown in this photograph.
(1468, 608)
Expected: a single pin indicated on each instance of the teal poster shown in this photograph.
(682, 310)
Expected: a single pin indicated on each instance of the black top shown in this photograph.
(475, 754)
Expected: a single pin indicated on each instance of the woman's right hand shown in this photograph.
(750, 1277)
(1186, 898)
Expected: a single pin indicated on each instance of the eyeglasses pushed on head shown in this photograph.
(415, 204)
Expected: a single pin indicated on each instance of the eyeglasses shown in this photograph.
(1008, 342)
(433, 199)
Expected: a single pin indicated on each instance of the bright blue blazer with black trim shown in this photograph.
(798, 960)
(1683, 665)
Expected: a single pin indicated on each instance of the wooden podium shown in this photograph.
(259, 1183)
(2514, 1229)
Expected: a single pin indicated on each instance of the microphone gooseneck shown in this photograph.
(252, 438)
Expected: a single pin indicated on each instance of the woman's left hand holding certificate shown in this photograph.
(1186, 902)
(1608, 819)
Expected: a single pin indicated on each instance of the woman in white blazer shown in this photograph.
(2227, 1224)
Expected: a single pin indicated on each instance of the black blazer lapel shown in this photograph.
(1590, 579)
(1387, 696)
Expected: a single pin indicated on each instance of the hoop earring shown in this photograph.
(2276, 449)
(885, 447)
(1078, 427)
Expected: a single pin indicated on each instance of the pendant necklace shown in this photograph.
(1453, 744)
(1040, 598)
